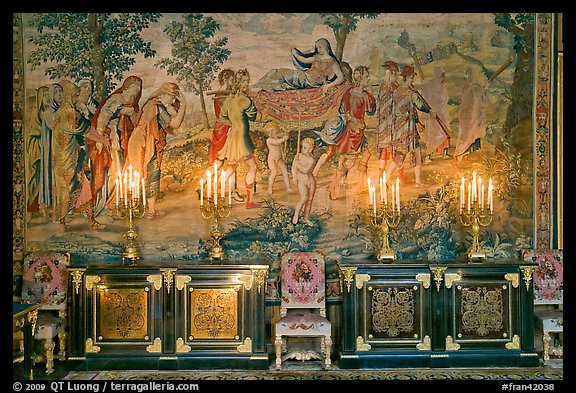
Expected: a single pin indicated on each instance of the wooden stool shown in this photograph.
(550, 321)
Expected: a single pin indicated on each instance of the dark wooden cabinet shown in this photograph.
(177, 316)
(437, 314)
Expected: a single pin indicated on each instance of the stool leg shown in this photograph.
(328, 341)
(278, 347)
(62, 344)
(49, 346)
(546, 345)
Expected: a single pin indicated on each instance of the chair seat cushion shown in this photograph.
(550, 320)
(305, 324)
(48, 326)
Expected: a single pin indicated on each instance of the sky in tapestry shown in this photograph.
(468, 49)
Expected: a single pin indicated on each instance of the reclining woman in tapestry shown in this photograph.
(316, 68)
(311, 92)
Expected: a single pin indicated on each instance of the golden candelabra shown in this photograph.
(475, 217)
(130, 204)
(382, 220)
(477, 213)
(216, 209)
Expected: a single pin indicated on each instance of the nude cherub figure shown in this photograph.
(302, 168)
(276, 156)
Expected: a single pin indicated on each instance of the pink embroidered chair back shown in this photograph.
(303, 281)
(548, 276)
(45, 280)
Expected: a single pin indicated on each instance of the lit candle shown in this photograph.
(381, 190)
(215, 182)
(369, 193)
(209, 184)
(117, 189)
(120, 182)
(482, 197)
(125, 189)
(201, 192)
(462, 195)
(374, 196)
(222, 184)
(469, 195)
(393, 197)
(490, 197)
(230, 191)
(385, 190)
(137, 185)
(143, 192)
(398, 193)
(130, 174)
(474, 196)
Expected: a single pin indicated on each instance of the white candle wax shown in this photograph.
(469, 195)
(117, 189)
(120, 182)
(462, 195)
(125, 189)
(201, 192)
(229, 191)
(143, 192)
(473, 186)
(222, 184)
(385, 190)
(490, 196)
(130, 174)
(215, 181)
(398, 194)
(374, 196)
(208, 184)
(369, 193)
(393, 197)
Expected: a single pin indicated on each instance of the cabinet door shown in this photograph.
(212, 313)
(123, 313)
(483, 309)
(394, 312)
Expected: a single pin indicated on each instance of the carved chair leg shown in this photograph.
(49, 346)
(328, 341)
(62, 345)
(278, 347)
(546, 346)
(323, 344)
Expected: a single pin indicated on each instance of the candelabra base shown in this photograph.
(386, 256)
(216, 253)
(131, 256)
(476, 256)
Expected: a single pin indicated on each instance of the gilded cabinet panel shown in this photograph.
(123, 314)
(213, 313)
(394, 312)
(483, 311)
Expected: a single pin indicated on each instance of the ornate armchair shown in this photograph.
(303, 307)
(45, 282)
(548, 291)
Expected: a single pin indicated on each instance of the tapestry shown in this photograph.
(294, 125)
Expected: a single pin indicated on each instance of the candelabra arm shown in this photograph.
(475, 218)
(216, 212)
(383, 221)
